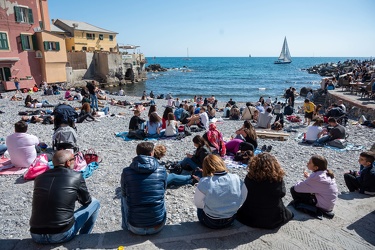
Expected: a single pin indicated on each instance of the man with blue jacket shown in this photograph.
(143, 186)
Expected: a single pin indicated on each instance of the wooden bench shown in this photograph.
(272, 135)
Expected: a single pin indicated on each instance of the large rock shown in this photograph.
(155, 68)
(304, 91)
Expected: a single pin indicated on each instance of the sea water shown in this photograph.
(241, 78)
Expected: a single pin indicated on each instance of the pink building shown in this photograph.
(19, 21)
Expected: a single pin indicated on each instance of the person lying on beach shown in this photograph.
(101, 95)
(319, 190)
(16, 98)
(363, 180)
(174, 179)
(43, 104)
(44, 119)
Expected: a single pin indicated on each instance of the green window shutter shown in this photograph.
(45, 45)
(4, 41)
(23, 42)
(31, 18)
(17, 11)
(35, 42)
(57, 46)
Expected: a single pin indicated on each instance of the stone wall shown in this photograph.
(354, 109)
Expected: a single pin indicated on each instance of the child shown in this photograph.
(364, 181)
(171, 129)
(319, 190)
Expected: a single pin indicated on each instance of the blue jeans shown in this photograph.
(214, 223)
(3, 148)
(178, 180)
(324, 139)
(137, 230)
(85, 218)
(188, 161)
(105, 110)
(94, 102)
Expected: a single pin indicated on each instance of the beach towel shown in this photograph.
(124, 136)
(6, 167)
(231, 163)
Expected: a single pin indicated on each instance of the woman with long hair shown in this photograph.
(314, 131)
(319, 189)
(196, 160)
(153, 125)
(264, 181)
(164, 119)
(247, 133)
(218, 195)
(171, 125)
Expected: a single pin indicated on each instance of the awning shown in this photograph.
(9, 59)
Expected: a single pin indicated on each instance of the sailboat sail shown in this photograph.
(284, 54)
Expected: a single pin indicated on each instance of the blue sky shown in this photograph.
(320, 28)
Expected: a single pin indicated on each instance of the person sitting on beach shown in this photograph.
(317, 114)
(152, 95)
(153, 126)
(261, 101)
(363, 180)
(336, 131)
(234, 113)
(171, 129)
(136, 121)
(215, 104)
(248, 112)
(217, 204)
(172, 178)
(314, 132)
(201, 120)
(264, 207)
(164, 118)
(265, 119)
(211, 99)
(85, 114)
(29, 99)
(227, 110)
(22, 146)
(170, 103)
(319, 190)
(78, 96)
(259, 107)
(309, 108)
(143, 185)
(177, 102)
(178, 112)
(211, 112)
(68, 96)
(153, 109)
(247, 133)
(231, 102)
(215, 140)
(192, 162)
(53, 219)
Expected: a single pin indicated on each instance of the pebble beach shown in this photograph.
(104, 184)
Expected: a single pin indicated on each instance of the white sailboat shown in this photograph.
(187, 55)
(284, 55)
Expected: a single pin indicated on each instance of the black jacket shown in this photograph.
(54, 197)
(263, 207)
(367, 180)
(200, 154)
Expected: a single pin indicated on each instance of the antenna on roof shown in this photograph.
(75, 25)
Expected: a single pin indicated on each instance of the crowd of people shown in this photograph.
(220, 196)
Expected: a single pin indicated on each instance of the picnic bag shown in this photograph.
(39, 166)
(90, 156)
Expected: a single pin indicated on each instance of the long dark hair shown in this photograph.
(200, 141)
(154, 118)
(249, 130)
(152, 109)
(167, 110)
(322, 164)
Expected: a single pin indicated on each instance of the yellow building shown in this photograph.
(81, 36)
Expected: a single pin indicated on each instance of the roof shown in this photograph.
(54, 28)
(84, 26)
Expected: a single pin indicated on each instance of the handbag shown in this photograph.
(90, 155)
(39, 166)
(80, 162)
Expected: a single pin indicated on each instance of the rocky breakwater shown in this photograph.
(332, 69)
(155, 68)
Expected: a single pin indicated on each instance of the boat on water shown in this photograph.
(284, 57)
(187, 58)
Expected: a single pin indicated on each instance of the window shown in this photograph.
(26, 42)
(23, 15)
(84, 48)
(90, 36)
(101, 36)
(4, 45)
(51, 46)
(110, 37)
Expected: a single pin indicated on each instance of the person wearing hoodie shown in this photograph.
(143, 185)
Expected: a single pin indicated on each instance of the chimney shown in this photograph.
(53, 21)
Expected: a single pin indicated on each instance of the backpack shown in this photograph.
(65, 138)
(64, 114)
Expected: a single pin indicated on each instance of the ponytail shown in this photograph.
(330, 174)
